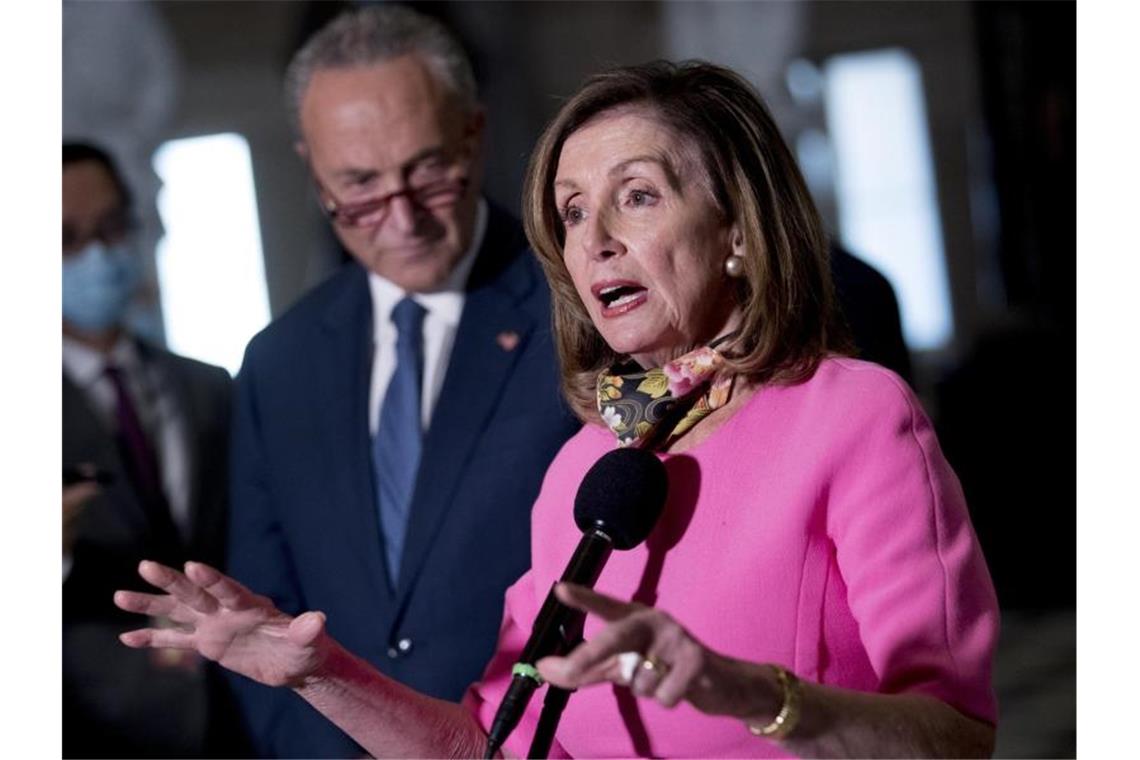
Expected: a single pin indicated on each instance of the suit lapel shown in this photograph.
(188, 408)
(492, 334)
(343, 363)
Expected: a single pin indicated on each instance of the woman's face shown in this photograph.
(645, 243)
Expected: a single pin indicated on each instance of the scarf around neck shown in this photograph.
(650, 408)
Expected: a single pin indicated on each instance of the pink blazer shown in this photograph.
(819, 528)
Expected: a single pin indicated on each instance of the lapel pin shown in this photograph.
(507, 340)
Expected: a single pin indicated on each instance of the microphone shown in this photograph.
(617, 505)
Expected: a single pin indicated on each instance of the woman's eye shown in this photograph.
(572, 215)
(639, 198)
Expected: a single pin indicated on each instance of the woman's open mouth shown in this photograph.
(619, 296)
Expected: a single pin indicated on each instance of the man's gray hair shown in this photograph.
(375, 34)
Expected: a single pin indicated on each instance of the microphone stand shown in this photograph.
(595, 508)
(556, 698)
(552, 706)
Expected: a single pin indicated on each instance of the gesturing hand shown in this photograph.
(647, 650)
(226, 622)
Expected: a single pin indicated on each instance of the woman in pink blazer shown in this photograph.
(813, 587)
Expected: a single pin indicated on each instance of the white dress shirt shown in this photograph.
(443, 307)
(157, 406)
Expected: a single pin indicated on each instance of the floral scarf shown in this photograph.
(649, 408)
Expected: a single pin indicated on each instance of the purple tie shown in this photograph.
(140, 459)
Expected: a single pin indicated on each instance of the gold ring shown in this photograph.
(653, 665)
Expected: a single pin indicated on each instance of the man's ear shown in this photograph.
(476, 122)
(301, 150)
(480, 118)
(473, 133)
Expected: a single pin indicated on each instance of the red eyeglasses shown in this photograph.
(370, 212)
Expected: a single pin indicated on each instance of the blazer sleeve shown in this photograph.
(280, 723)
(917, 582)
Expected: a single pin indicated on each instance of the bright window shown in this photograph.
(211, 271)
(885, 189)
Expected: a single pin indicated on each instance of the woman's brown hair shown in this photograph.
(789, 317)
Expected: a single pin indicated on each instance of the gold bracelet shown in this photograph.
(785, 721)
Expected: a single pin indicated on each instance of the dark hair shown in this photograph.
(75, 152)
(789, 316)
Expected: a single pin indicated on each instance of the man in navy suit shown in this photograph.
(392, 429)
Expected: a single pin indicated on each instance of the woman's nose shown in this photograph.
(600, 241)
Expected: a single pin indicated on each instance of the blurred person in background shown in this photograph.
(391, 429)
(871, 310)
(144, 453)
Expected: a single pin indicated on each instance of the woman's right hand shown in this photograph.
(225, 622)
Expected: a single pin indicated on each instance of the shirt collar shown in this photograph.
(446, 303)
(84, 365)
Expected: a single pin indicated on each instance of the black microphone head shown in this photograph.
(622, 495)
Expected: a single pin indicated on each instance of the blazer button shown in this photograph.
(402, 648)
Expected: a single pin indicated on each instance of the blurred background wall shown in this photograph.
(938, 138)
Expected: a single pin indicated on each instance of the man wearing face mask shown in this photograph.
(144, 476)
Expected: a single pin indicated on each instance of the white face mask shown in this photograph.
(98, 283)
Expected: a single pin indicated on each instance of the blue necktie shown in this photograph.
(399, 436)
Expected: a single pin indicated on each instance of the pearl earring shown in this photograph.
(734, 266)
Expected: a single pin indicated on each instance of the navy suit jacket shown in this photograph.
(305, 528)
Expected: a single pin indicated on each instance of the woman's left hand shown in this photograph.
(647, 650)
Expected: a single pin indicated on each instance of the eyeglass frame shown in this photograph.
(350, 215)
